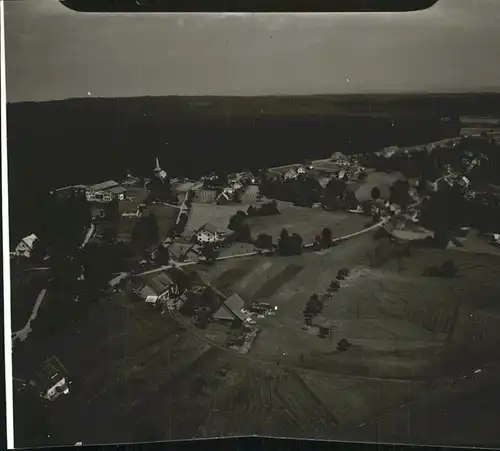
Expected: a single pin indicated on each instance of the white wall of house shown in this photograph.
(207, 237)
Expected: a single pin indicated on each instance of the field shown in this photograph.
(140, 375)
(165, 214)
(326, 166)
(134, 197)
(377, 179)
(218, 215)
(407, 332)
(307, 222)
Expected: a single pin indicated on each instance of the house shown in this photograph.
(26, 246)
(301, 170)
(464, 182)
(231, 309)
(118, 192)
(52, 379)
(67, 191)
(210, 233)
(156, 288)
(291, 174)
(338, 157)
(100, 191)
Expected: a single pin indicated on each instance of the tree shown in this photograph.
(448, 269)
(283, 241)
(326, 237)
(295, 244)
(209, 252)
(153, 231)
(109, 234)
(252, 211)
(375, 193)
(334, 285)
(269, 208)
(243, 234)
(112, 210)
(237, 220)
(264, 241)
(362, 176)
(400, 193)
(180, 226)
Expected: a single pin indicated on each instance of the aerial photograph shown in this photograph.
(201, 251)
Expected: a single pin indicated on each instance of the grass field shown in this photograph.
(166, 216)
(151, 380)
(377, 179)
(307, 222)
(218, 215)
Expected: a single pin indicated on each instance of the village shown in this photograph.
(252, 262)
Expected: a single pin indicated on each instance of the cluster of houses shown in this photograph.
(350, 166)
(294, 173)
(99, 192)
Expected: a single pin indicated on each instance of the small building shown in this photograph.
(156, 288)
(26, 246)
(117, 192)
(291, 174)
(231, 309)
(52, 379)
(464, 182)
(100, 191)
(301, 170)
(210, 233)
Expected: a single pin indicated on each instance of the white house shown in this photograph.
(301, 170)
(100, 191)
(117, 192)
(210, 234)
(290, 174)
(52, 379)
(26, 245)
(157, 288)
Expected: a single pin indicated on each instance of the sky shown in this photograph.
(54, 53)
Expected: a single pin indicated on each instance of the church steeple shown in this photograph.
(159, 172)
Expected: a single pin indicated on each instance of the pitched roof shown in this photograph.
(211, 228)
(160, 282)
(231, 309)
(30, 240)
(104, 185)
(117, 190)
(155, 285)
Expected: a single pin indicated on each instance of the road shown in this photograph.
(249, 254)
(53, 53)
(22, 334)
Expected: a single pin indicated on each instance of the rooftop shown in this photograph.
(30, 239)
(104, 185)
(117, 190)
(231, 309)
